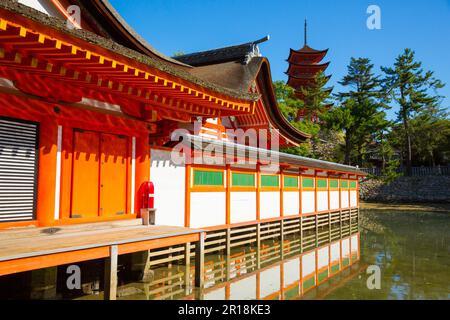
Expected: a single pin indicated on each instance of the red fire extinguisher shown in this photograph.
(147, 195)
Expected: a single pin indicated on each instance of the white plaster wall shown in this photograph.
(244, 289)
(334, 200)
(291, 203)
(345, 247)
(355, 240)
(242, 206)
(308, 264)
(207, 209)
(218, 294)
(269, 205)
(322, 200)
(169, 181)
(322, 257)
(335, 252)
(353, 198)
(344, 199)
(308, 202)
(291, 271)
(269, 281)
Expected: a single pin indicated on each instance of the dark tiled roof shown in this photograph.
(233, 75)
(240, 53)
(110, 24)
(238, 67)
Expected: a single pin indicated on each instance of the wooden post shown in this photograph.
(301, 234)
(187, 254)
(340, 223)
(282, 239)
(187, 267)
(317, 230)
(187, 196)
(258, 192)
(281, 192)
(111, 274)
(258, 246)
(228, 244)
(228, 253)
(357, 219)
(329, 227)
(228, 196)
(200, 261)
(349, 221)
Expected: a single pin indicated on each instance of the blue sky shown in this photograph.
(195, 25)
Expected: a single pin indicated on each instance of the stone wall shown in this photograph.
(407, 189)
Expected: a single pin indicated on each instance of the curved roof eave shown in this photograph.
(33, 18)
(275, 114)
(111, 14)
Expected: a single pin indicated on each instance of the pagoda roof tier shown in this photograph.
(306, 55)
(299, 69)
(297, 82)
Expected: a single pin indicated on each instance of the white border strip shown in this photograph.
(133, 172)
(58, 174)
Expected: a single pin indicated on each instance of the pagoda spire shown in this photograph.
(306, 33)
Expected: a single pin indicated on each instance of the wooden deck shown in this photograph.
(28, 249)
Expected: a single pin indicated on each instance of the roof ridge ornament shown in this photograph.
(255, 52)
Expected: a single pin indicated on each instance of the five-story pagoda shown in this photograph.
(304, 66)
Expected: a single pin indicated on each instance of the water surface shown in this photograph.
(412, 251)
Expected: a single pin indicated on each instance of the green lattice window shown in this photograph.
(307, 182)
(322, 183)
(290, 182)
(243, 179)
(334, 184)
(353, 184)
(344, 184)
(270, 181)
(208, 178)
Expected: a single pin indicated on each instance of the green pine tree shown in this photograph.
(414, 90)
(361, 111)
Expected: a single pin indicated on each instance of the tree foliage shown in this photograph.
(356, 130)
(360, 113)
(414, 91)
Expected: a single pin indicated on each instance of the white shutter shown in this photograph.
(18, 170)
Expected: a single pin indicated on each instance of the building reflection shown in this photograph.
(270, 272)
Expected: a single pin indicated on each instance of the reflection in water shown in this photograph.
(249, 273)
(411, 249)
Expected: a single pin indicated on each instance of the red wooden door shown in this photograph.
(113, 175)
(85, 174)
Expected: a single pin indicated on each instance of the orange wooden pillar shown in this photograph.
(142, 167)
(46, 185)
(228, 195)
(281, 192)
(258, 192)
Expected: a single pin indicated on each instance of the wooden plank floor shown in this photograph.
(28, 249)
(29, 242)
